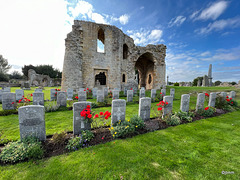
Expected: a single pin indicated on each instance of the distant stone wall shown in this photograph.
(39, 79)
(83, 65)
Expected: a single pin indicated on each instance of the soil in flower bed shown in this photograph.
(103, 135)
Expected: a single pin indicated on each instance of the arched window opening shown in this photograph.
(101, 78)
(123, 78)
(149, 79)
(125, 51)
(100, 41)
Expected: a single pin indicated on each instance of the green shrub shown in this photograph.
(52, 106)
(28, 148)
(59, 138)
(87, 135)
(137, 122)
(128, 127)
(94, 105)
(173, 120)
(207, 112)
(8, 112)
(176, 84)
(79, 141)
(184, 116)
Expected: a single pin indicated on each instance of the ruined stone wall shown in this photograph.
(82, 62)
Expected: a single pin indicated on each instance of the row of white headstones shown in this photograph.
(32, 117)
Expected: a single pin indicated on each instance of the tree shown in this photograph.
(233, 83)
(15, 75)
(42, 69)
(196, 80)
(25, 69)
(217, 83)
(4, 77)
(4, 67)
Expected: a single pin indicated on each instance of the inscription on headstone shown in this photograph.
(53, 94)
(212, 99)
(118, 110)
(32, 121)
(167, 109)
(94, 93)
(82, 96)
(62, 98)
(38, 98)
(115, 94)
(200, 101)
(153, 94)
(100, 96)
(19, 94)
(79, 124)
(172, 92)
(144, 108)
(69, 94)
(185, 99)
(232, 95)
(7, 100)
(129, 95)
(142, 93)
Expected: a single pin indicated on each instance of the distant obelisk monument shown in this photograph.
(167, 80)
(210, 75)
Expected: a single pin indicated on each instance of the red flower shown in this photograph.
(166, 102)
(206, 108)
(131, 88)
(31, 95)
(58, 89)
(76, 97)
(90, 91)
(228, 100)
(96, 116)
(55, 89)
(206, 94)
(158, 104)
(88, 106)
(101, 113)
(106, 117)
(105, 113)
(226, 96)
(84, 89)
(22, 96)
(232, 102)
(88, 112)
(159, 109)
(102, 137)
(89, 116)
(87, 88)
(12, 102)
(19, 101)
(160, 93)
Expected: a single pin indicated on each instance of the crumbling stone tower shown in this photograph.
(120, 64)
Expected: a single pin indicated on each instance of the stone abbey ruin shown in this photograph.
(121, 64)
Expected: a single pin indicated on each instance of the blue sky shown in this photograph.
(197, 33)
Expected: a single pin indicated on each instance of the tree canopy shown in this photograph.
(4, 67)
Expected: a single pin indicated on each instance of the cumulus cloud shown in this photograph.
(177, 21)
(212, 12)
(220, 25)
(84, 10)
(144, 37)
(124, 19)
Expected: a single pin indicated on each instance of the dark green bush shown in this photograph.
(184, 116)
(176, 84)
(207, 112)
(8, 112)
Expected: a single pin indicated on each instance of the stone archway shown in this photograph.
(145, 68)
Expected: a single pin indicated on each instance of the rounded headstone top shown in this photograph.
(31, 106)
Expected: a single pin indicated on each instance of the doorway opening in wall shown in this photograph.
(100, 79)
(145, 69)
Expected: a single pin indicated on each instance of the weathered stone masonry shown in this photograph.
(116, 67)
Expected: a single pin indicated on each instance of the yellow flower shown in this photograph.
(115, 132)
(112, 128)
(136, 126)
(128, 120)
(109, 129)
(113, 135)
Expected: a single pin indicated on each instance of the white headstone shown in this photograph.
(82, 96)
(69, 94)
(129, 95)
(167, 109)
(185, 99)
(62, 98)
(144, 108)
(8, 101)
(200, 101)
(100, 96)
(115, 94)
(38, 98)
(212, 99)
(19, 94)
(118, 110)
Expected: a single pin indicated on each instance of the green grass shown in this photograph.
(63, 120)
(198, 150)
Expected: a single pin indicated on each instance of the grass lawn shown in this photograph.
(63, 120)
(198, 150)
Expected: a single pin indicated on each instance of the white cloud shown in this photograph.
(212, 12)
(177, 21)
(98, 18)
(124, 19)
(82, 8)
(220, 25)
(33, 32)
(144, 37)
